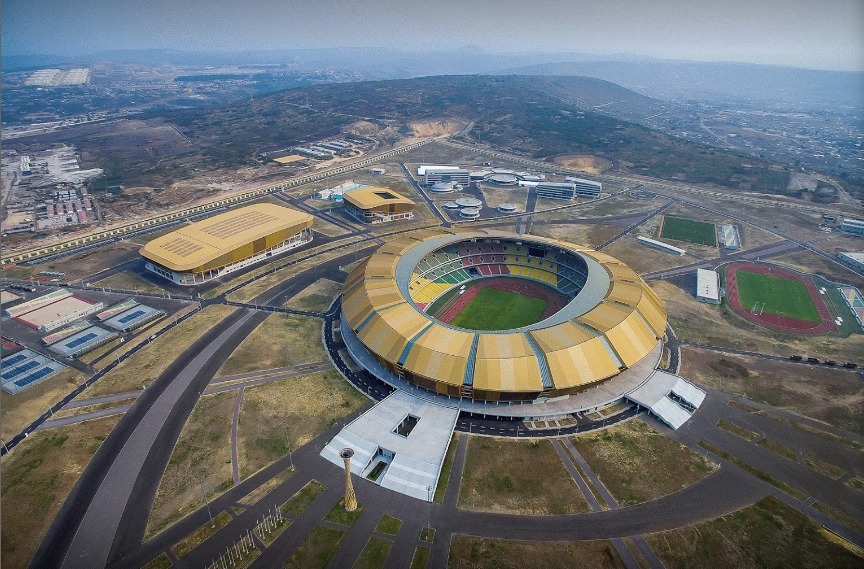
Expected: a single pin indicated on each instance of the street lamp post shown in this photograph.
(428, 510)
(201, 482)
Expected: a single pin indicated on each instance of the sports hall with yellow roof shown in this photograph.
(377, 205)
(610, 321)
(227, 242)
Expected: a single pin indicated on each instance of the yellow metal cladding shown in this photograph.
(506, 362)
(226, 238)
(617, 332)
(378, 199)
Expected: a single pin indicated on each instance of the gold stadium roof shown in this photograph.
(226, 238)
(612, 323)
(375, 198)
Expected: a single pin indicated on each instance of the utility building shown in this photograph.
(226, 243)
(378, 205)
(707, 286)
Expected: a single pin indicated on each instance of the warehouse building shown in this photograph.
(378, 205)
(707, 286)
(852, 258)
(586, 188)
(226, 243)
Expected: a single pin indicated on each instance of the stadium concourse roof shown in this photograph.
(611, 324)
(371, 198)
(206, 241)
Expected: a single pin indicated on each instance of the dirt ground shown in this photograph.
(203, 450)
(702, 323)
(835, 396)
(638, 464)
(128, 281)
(584, 162)
(495, 196)
(21, 409)
(501, 476)
(37, 477)
(281, 340)
(644, 259)
(427, 129)
(317, 297)
(299, 408)
(469, 552)
(146, 365)
(91, 262)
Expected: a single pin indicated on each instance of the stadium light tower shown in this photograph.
(350, 497)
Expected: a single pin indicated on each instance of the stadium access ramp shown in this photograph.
(669, 397)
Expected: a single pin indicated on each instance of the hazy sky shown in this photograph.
(822, 34)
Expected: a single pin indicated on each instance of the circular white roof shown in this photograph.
(469, 202)
(443, 186)
(507, 207)
(469, 212)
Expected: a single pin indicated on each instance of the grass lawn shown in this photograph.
(161, 562)
(37, 477)
(637, 463)
(374, 554)
(469, 552)
(767, 534)
(494, 309)
(339, 515)
(203, 450)
(198, 536)
(681, 229)
(822, 467)
(258, 493)
(281, 340)
(441, 489)
(736, 430)
(301, 500)
(421, 558)
(21, 409)
(317, 549)
(145, 365)
(779, 448)
(298, 408)
(503, 475)
(783, 297)
(315, 297)
(388, 525)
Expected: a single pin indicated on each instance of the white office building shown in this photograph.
(586, 188)
(853, 226)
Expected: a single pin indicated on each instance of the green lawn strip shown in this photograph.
(767, 534)
(736, 430)
(826, 435)
(198, 536)
(856, 483)
(427, 534)
(441, 489)
(773, 416)
(782, 297)
(338, 515)
(779, 448)
(388, 525)
(374, 554)
(493, 309)
(267, 487)
(822, 467)
(421, 557)
(840, 517)
(268, 532)
(743, 407)
(161, 562)
(315, 552)
(470, 552)
(301, 500)
(794, 492)
(681, 229)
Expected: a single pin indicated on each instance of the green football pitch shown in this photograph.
(688, 230)
(493, 309)
(782, 297)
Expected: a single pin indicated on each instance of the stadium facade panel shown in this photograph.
(226, 243)
(610, 318)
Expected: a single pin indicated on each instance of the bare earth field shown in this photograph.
(146, 365)
(469, 552)
(702, 323)
(495, 196)
(643, 259)
(21, 409)
(203, 450)
(767, 534)
(834, 396)
(128, 281)
(281, 340)
(316, 297)
(585, 235)
(299, 408)
(638, 464)
(91, 262)
(501, 476)
(584, 162)
(37, 477)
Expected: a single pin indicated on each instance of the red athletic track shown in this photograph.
(555, 300)
(781, 323)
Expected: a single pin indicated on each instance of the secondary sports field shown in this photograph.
(493, 309)
(781, 297)
(688, 230)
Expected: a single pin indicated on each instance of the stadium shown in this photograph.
(493, 318)
(226, 243)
